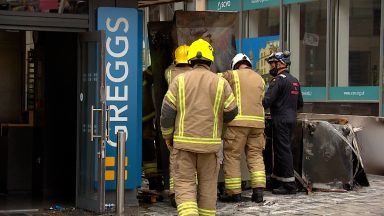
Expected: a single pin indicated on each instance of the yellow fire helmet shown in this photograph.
(181, 54)
(200, 50)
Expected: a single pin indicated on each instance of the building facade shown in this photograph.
(336, 46)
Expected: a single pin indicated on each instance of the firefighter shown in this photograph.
(194, 109)
(180, 66)
(149, 134)
(245, 132)
(284, 98)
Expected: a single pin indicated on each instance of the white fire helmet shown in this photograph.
(238, 58)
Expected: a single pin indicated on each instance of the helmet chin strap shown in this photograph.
(279, 68)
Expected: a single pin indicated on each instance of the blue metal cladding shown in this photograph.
(123, 89)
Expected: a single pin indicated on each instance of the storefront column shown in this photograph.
(294, 40)
(343, 44)
(200, 5)
(164, 12)
(381, 76)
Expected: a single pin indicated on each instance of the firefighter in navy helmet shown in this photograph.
(283, 98)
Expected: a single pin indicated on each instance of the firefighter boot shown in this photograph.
(231, 198)
(284, 190)
(257, 195)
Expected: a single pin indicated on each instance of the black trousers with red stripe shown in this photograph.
(282, 152)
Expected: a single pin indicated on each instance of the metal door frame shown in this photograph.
(97, 37)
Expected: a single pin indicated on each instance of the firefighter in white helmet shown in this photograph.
(246, 131)
(194, 109)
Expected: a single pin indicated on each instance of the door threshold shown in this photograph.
(18, 211)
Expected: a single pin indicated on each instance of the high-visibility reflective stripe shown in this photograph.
(181, 104)
(167, 131)
(189, 203)
(171, 183)
(198, 140)
(219, 94)
(229, 100)
(189, 212)
(171, 97)
(150, 167)
(207, 212)
(169, 74)
(237, 91)
(258, 177)
(232, 180)
(289, 179)
(187, 207)
(263, 93)
(237, 186)
(258, 174)
(232, 183)
(249, 118)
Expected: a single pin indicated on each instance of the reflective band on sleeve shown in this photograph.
(171, 97)
(229, 100)
(237, 91)
(219, 94)
(181, 81)
(166, 131)
(168, 75)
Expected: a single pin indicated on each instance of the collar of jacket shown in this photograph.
(284, 71)
(202, 65)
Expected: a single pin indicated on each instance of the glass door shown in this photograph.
(91, 109)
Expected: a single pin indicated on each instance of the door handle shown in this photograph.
(92, 111)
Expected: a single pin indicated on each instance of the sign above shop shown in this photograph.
(235, 5)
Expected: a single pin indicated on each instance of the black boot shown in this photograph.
(257, 195)
(231, 198)
(172, 200)
(283, 191)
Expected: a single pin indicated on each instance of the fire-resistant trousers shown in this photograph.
(195, 199)
(171, 173)
(282, 152)
(236, 140)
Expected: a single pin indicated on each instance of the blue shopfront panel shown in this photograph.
(123, 89)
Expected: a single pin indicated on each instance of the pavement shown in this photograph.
(361, 201)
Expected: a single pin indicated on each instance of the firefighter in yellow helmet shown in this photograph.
(194, 109)
(245, 132)
(180, 66)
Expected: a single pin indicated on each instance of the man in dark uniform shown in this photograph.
(284, 98)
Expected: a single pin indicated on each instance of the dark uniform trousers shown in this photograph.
(282, 148)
